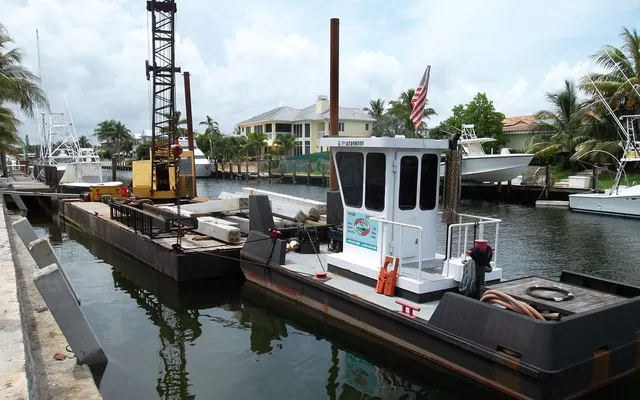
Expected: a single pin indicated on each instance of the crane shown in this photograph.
(169, 174)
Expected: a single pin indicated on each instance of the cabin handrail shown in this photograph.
(402, 225)
(480, 223)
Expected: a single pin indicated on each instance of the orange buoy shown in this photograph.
(387, 278)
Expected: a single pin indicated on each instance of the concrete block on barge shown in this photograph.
(197, 260)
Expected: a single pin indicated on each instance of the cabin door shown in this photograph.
(405, 239)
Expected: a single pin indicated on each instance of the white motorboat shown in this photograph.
(619, 200)
(85, 172)
(204, 167)
(478, 166)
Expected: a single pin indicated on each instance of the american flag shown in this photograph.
(420, 99)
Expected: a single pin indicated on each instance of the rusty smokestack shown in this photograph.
(334, 89)
(187, 100)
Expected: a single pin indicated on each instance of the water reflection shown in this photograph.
(182, 313)
(232, 340)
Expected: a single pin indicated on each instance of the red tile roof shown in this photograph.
(522, 123)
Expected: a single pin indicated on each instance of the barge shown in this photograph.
(378, 270)
(152, 238)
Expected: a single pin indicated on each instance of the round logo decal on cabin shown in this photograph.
(361, 226)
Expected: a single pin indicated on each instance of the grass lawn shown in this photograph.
(605, 180)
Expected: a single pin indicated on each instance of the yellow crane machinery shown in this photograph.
(169, 173)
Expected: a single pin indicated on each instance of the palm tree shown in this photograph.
(612, 83)
(175, 124)
(9, 139)
(565, 126)
(83, 142)
(402, 108)
(18, 86)
(255, 142)
(376, 108)
(115, 136)
(212, 127)
(286, 142)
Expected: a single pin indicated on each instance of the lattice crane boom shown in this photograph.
(161, 71)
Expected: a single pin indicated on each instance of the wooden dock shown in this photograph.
(26, 193)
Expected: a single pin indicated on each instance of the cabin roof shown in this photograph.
(384, 142)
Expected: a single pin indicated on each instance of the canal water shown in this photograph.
(229, 340)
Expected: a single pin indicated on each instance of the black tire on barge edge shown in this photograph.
(554, 360)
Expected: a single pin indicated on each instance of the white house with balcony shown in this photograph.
(308, 124)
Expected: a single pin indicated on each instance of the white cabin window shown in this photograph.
(351, 171)
(429, 181)
(408, 188)
(366, 127)
(341, 126)
(375, 182)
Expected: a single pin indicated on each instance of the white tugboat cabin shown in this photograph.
(389, 189)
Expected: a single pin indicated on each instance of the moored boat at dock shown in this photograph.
(377, 269)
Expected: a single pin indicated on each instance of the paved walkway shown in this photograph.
(13, 379)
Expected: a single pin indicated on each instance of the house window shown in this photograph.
(375, 182)
(283, 128)
(258, 129)
(341, 126)
(350, 167)
(408, 188)
(268, 127)
(307, 130)
(366, 127)
(297, 130)
(307, 147)
(298, 149)
(429, 181)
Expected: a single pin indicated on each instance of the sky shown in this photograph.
(246, 57)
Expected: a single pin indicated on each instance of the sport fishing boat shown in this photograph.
(618, 200)
(375, 267)
(478, 166)
(83, 173)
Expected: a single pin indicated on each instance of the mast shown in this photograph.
(41, 130)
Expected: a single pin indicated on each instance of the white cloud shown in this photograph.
(249, 56)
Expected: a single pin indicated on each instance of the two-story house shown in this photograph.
(308, 124)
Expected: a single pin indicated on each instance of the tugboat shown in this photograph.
(378, 269)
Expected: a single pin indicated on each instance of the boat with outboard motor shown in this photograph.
(376, 268)
(478, 166)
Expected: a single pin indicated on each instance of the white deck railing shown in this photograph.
(399, 257)
(460, 236)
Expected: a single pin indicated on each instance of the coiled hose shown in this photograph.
(497, 297)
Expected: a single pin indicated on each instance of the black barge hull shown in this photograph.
(513, 354)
